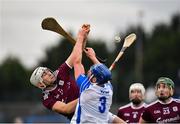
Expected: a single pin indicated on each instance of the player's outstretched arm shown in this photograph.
(80, 44)
(78, 50)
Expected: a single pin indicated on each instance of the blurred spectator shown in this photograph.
(150, 95)
(18, 120)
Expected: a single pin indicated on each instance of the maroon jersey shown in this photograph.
(131, 114)
(66, 89)
(158, 112)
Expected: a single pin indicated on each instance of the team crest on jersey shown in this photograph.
(175, 108)
(61, 82)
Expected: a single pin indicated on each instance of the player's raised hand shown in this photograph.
(83, 32)
(90, 53)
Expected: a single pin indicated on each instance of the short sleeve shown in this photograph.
(49, 102)
(119, 114)
(64, 71)
(81, 79)
(146, 115)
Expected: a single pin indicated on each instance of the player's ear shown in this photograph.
(171, 92)
(93, 80)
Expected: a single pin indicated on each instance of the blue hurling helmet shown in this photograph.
(101, 72)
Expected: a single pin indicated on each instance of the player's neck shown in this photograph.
(50, 87)
(166, 100)
(137, 105)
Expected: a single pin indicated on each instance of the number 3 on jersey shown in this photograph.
(102, 106)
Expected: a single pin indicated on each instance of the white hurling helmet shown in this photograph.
(36, 76)
(137, 86)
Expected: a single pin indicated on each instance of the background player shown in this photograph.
(166, 109)
(132, 111)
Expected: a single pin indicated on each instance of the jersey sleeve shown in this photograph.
(48, 102)
(146, 115)
(83, 82)
(81, 79)
(64, 71)
(120, 113)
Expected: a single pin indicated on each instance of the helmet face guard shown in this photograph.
(36, 76)
(101, 72)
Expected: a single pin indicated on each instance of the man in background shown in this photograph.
(132, 111)
(165, 109)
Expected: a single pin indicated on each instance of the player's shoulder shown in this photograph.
(108, 84)
(151, 104)
(144, 105)
(176, 100)
(64, 66)
(125, 106)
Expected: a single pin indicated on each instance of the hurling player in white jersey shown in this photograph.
(95, 91)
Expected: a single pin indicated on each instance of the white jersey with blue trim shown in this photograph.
(94, 102)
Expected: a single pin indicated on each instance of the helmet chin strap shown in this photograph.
(42, 85)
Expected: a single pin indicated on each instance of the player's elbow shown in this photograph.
(63, 110)
(60, 107)
(77, 61)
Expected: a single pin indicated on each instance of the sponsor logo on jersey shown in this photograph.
(126, 114)
(173, 119)
(104, 92)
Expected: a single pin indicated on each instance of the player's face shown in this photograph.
(162, 91)
(89, 73)
(93, 79)
(136, 96)
(48, 77)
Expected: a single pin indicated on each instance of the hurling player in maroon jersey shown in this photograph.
(165, 109)
(59, 90)
(132, 111)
